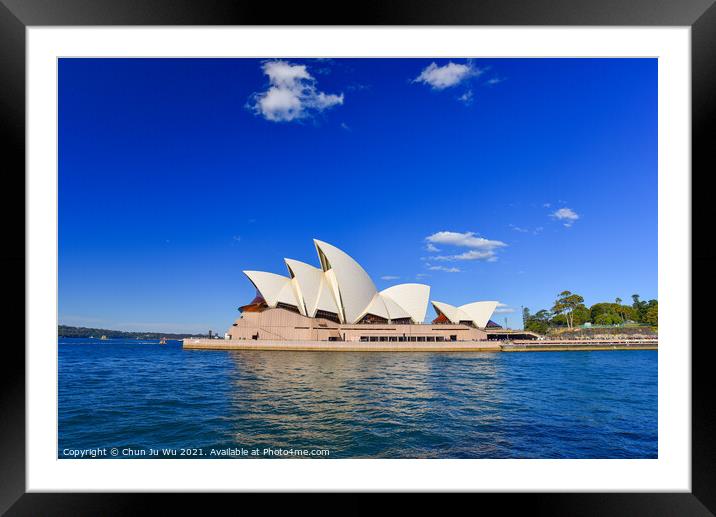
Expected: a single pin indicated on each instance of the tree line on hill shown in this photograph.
(86, 332)
(569, 312)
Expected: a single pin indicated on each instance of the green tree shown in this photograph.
(558, 320)
(616, 311)
(543, 315)
(627, 313)
(538, 322)
(652, 314)
(618, 303)
(607, 318)
(538, 326)
(581, 315)
(565, 304)
(640, 307)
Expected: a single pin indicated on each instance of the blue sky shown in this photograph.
(528, 176)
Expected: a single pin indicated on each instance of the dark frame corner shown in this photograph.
(700, 15)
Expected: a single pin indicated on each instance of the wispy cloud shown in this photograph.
(480, 248)
(467, 255)
(566, 215)
(466, 239)
(389, 277)
(536, 231)
(466, 98)
(446, 76)
(494, 80)
(357, 87)
(504, 309)
(431, 248)
(292, 94)
(444, 268)
(519, 229)
(421, 275)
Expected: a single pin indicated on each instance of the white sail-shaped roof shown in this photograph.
(272, 287)
(312, 288)
(479, 312)
(451, 312)
(287, 294)
(412, 298)
(308, 280)
(326, 300)
(299, 297)
(376, 307)
(342, 287)
(354, 288)
(330, 286)
(395, 311)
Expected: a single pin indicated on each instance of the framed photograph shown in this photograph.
(421, 252)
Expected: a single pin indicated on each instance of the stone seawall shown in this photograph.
(447, 346)
(341, 346)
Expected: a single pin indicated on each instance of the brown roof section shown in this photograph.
(258, 304)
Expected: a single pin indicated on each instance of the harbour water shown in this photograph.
(138, 396)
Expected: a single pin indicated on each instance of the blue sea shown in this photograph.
(130, 398)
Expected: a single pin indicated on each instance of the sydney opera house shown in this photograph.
(338, 301)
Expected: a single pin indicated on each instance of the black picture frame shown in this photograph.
(17, 15)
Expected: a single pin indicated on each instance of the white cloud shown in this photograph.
(441, 77)
(466, 98)
(566, 215)
(292, 94)
(503, 308)
(421, 275)
(431, 248)
(519, 229)
(480, 248)
(536, 231)
(445, 269)
(466, 239)
(389, 277)
(494, 80)
(508, 310)
(467, 255)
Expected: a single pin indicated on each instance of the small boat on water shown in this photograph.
(104, 338)
(163, 341)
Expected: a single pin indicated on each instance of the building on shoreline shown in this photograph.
(338, 301)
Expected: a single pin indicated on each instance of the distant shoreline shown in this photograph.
(67, 331)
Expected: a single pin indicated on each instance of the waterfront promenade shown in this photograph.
(447, 346)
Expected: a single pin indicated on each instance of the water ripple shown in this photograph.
(359, 405)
